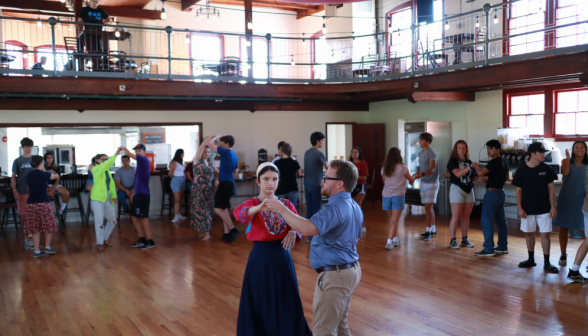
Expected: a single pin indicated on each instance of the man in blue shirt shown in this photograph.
(333, 254)
(229, 167)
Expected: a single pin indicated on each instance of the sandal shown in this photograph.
(101, 248)
(106, 243)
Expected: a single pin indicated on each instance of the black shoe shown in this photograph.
(232, 235)
(149, 245)
(139, 243)
(427, 236)
(484, 254)
(575, 276)
(549, 268)
(500, 251)
(433, 234)
(563, 260)
(527, 263)
(39, 254)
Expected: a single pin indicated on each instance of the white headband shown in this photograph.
(263, 165)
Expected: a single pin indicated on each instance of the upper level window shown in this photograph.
(571, 11)
(206, 52)
(47, 51)
(400, 41)
(571, 114)
(527, 111)
(259, 58)
(526, 16)
(15, 48)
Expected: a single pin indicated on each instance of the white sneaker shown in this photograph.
(175, 220)
(396, 242)
(389, 246)
(181, 217)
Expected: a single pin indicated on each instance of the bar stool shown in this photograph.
(75, 184)
(120, 208)
(56, 213)
(166, 190)
(7, 207)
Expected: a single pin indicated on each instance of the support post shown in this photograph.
(487, 7)
(268, 38)
(412, 49)
(52, 23)
(169, 30)
(249, 35)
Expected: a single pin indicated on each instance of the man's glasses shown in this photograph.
(332, 179)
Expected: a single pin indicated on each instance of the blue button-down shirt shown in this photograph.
(339, 227)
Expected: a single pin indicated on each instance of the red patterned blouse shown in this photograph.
(265, 226)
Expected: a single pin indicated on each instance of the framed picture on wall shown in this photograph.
(153, 138)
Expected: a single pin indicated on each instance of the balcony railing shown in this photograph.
(493, 34)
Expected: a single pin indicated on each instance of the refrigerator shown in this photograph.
(64, 156)
(442, 145)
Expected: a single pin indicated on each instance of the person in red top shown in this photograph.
(358, 193)
(270, 302)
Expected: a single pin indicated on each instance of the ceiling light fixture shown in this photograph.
(39, 23)
(477, 22)
(292, 63)
(324, 26)
(188, 39)
(163, 15)
(303, 40)
(249, 24)
(207, 11)
(248, 43)
(495, 19)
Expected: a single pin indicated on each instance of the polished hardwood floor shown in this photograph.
(189, 287)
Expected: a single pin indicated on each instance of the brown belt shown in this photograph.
(335, 268)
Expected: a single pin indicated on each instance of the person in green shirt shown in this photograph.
(103, 199)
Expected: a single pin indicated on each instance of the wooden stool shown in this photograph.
(5, 209)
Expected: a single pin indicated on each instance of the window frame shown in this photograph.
(242, 40)
(547, 35)
(555, 112)
(222, 44)
(550, 92)
(16, 43)
(50, 47)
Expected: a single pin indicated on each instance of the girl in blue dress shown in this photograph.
(571, 196)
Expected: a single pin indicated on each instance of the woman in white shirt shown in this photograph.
(394, 174)
(178, 182)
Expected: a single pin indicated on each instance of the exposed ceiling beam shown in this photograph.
(584, 78)
(59, 8)
(188, 5)
(178, 105)
(304, 13)
(441, 96)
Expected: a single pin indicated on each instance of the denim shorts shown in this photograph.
(393, 203)
(178, 184)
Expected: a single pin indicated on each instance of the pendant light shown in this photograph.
(292, 63)
(163, 15)
(39, 23)
(446, 23)
(248, 43)
(303, 40)
(324, 26)
(188, 39)
(477, 22)
(249, 24)
(495, 19)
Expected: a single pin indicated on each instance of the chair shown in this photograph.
(71, 45)
(57, 207)
(8, 206)
(230, 66)
(475, 49)
(76, 185)
(370, 189)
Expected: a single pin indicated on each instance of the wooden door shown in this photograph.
(371, 138)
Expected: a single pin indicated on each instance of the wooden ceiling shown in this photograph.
(301, 9)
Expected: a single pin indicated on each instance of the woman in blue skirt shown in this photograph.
(270, 302)
(571, 196)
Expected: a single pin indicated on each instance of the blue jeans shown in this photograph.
(122, 198)
(493, 211)
(292, 196)
(189, 186)
(313, 199)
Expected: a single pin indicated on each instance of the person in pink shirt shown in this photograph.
(394, 174)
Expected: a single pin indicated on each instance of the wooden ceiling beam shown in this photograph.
(176, 105)
(441, 96)
(59, 8)
(307, 12)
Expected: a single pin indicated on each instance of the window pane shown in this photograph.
(565, 123)
(583, 101)
(567, 102)
(535, 124)
(519, 105)
(537, 104)
(582, 123)
(519, 121)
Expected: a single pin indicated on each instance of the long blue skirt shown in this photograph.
(270, 302)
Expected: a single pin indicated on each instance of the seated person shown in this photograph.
(50, 166)
(124, 178)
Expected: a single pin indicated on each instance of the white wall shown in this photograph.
(252, 131)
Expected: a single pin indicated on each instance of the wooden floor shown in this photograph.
(188, 287)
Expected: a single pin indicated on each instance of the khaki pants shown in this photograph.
(332, 299)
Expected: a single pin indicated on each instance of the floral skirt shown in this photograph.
(39, 218)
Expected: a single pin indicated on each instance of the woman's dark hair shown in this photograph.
(53, 165)
(26, 142)
(316, 137)
(228, 139)
(36, 161)
(585, 160)
(178, 157)
(286, 149)
(360, 157)
(494, 144)
(266, 169)
(97, 157)
(393, 158)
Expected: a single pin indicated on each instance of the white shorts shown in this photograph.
(585, 221)
(530, 223)
(457, 195)
(429, 192)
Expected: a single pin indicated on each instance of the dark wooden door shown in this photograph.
(371, 138)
